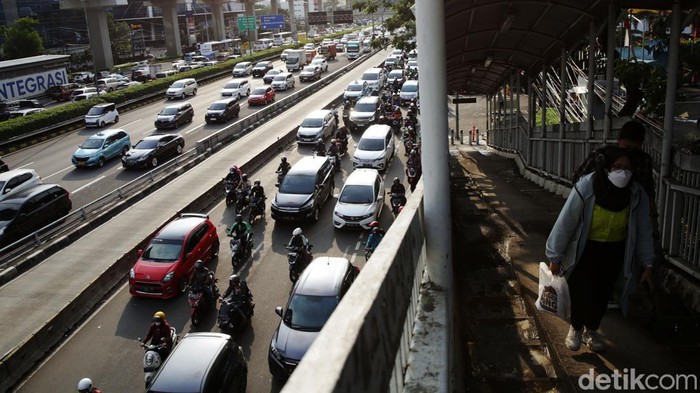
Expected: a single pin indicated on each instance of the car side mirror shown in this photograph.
(380, 198)
(336, 196)
(278, 311)
(277, 185)
(139, 252)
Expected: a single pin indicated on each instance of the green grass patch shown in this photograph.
(552, 117)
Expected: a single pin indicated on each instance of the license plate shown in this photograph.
(81, 164)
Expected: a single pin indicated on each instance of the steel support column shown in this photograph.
(530, 117)
(457, 115)
(543, 144)
(609, 72)
(671, 83)
(511, 122)
(488, 114)
(562, 113)
(518, 139)
(591, 87)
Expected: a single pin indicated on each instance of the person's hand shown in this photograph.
(647, 277)
(141, 343)
(554, 268)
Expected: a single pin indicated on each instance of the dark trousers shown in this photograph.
(592, 282)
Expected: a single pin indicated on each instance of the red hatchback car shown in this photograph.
(261, 96)
(164, 266)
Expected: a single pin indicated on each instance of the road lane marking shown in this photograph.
(357, 246)
(54, 174)
(352, 259)
(128, 124)
(25, 165)
(151, 130)
(89, 184)
(194, 128)
(257, 249)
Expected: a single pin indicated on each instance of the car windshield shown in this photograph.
(298, 184)
(168, 111)
(178, 85)
(232, 85)
(390, 60)
(163, 250)
(240, 66)
(354, 87)
(396, 74)
(261, 65)
(280, 78)
(309, 313)
(217, 106)
(7, 211)
(147, 144)
(365, 107)
(260, 91)
(413, 64)
(317, 62)
(312, 122)
(370, 76)
(357, 194)
(310, 69)
(92, 143)
(371, 144)
(273, 72)
(96, 110)
(410, 88)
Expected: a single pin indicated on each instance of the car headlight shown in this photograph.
(308, 205)
(371, 118)
(274, 350)
(143, 158)
(366, 216)
(168, 277)
(132, 274)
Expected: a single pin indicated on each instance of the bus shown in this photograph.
(218, 49)
(282, 38)
(263, 44)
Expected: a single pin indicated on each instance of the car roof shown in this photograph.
(318, 114)
(376, 131)
(224, 100)
(105, 133)
(178, 105)
(28, 193)
(410, 82)
(374, 69)
(103, 104)
(362, 176)
(263, 63)
(188, 364)
(185, 80)
(178, 228)
(368, 99)
(322, 277)
(308, 165)
(14, 172)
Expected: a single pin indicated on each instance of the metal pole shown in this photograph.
(457, 114)
(543, 143)
(530, 117)
(671, 82)
(511, 130)
(488, 114)
(609, 75)
(562, 114)
(591, 87)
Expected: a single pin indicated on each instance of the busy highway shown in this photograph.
(52, 159)
(105, 347)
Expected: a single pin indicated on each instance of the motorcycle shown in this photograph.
(152, 359)
(342, 146)
(334, 159)
(240, 251)
(296, 264)
(408, 145)
(231, 315)
(395, 121)
(196, 297)
(280, 176)
(242, 200)
(412, 176)
(396, 202)
(230, 189)
(257, 208)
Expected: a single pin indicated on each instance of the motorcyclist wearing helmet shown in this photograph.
(202, 278)
(320, 147)
(240, 230)
(414, 160)
(234, 175)
(244, 185)
(395, 86)
(376, 224)
(341, 137)
(284, 166)
(398, 189)
(257, 193)
(373, 239)
(238, 291)
(300, 242)
(159, 333)
(382, 120)
(334, 150)
(85, 386)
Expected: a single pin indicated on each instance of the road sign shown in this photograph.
(268, 22)
(468, 100)
(318, 18)
(342, 16)
(246, 23)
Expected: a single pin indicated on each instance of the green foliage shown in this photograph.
(120, 37)
(23, 125)
(552, 117)
(22, 39)
(402, 17)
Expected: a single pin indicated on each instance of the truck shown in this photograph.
(328, 50)
(352, 50)
(310, 54)
(296, 59)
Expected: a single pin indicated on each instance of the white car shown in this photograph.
(375, 78)
(309, 46)
(360, 201)
(182, 88)
(375, 148)
(236, 88)
(394, 75)
(283, 81)
(243, 68)
(82, 90)
(101, 114)
(322, 64)
(84, 96)
(108, 84)
(16, 180)
(24, 112)
(356, 90)
(412, 64)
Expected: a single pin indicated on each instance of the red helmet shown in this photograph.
(374, 224)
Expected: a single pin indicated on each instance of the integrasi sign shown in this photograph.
(31, 85)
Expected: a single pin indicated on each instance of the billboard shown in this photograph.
(318, 18)
(268, 22)
(32, 85)
(342, 16)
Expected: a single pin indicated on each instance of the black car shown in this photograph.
(222, 111)
(261, 68)
(203, 363)
(173, 115)
(152, 150)
(304, 190)
(271, 75)
(3, 166)
(31, 210)
(310, 73)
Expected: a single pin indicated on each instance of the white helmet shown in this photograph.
(297, 232)
(85, 384)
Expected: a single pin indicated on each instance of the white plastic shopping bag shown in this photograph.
(553, 295)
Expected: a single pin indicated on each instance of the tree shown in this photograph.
(402, 17)
(22, 39)
(120, 37)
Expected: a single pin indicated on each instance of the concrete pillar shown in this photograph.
(292, 20)
(435, 157)
(9, 8)
(171, 30)
(100, 44)
(488, 113)
(273, 8)
(306, 17)
(217, 15)
(152, 29)
(591, 86)
(609, 72)
(671, 82)
(252, 34)
(320, 5)
(348, 5)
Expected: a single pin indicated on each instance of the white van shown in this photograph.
(263, 44)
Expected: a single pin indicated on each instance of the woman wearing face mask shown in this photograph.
(601, 242)
(159, 333)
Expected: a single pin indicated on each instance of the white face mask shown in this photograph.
(157, 323)
(620, 178)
